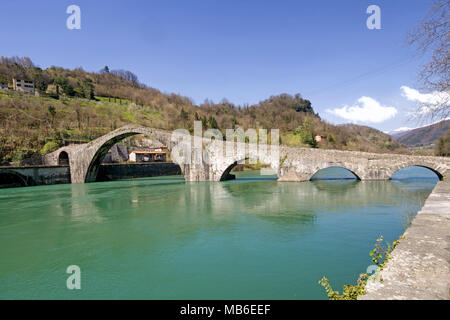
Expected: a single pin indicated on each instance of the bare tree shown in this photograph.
(127, 75)
(431, 37)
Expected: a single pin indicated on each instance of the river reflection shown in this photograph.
(162, 238)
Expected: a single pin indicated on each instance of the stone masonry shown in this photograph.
(291, 164)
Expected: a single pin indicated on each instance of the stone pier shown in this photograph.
(420, 264)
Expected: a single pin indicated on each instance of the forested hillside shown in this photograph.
(80, 105)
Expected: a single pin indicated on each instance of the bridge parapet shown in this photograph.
(300, 164)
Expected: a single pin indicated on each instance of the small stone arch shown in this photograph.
(63, 158)
(413, 164)
(226, 175)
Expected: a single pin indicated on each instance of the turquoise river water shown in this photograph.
(162, 238)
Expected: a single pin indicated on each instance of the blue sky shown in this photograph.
(244, 51)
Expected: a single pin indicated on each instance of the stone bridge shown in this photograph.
(290, 164)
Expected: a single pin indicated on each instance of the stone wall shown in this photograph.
(40, 175)
(48, 175)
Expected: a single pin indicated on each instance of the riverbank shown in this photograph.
(419, 267)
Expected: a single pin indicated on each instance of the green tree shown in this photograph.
(52, 144)
(331, 138)
(234, 122)
(184, 115)
(212, 123)
(306, 133)
(65, 86)
(301, 105)
(105, 70)
(442, 147)
(52, 112)
(197, 117)
(49, 147)
(88, 89)
(40, 81)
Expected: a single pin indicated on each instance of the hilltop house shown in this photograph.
(23, 86)
(319, 138)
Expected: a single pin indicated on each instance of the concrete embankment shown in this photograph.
(47, 175)
(33, 176)
(109, 172)
(420, 264)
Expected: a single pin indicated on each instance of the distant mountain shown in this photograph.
(422, 136)
(366, 137)
(397, 133)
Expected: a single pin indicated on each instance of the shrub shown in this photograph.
(50, 147)
(380, 255)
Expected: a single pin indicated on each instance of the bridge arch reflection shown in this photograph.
(10, 178)
(335, 173)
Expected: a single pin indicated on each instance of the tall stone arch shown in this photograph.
(85, 159)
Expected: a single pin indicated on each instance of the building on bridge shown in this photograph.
(151, 155)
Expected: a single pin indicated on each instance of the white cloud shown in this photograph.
(429, 101)
(427, 98)
(367, 110)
